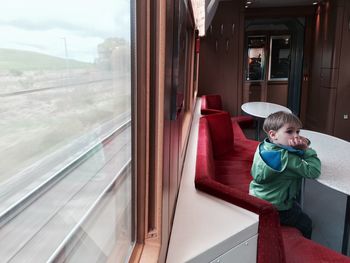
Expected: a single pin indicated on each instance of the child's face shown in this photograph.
(285, 134)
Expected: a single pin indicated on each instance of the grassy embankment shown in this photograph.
(20, 60)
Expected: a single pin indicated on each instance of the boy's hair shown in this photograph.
(276, 120)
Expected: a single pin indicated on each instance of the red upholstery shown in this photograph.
(244, 121)
(225, 173)
(220, 125)
(299, 249)
(212, 104)
(209, 178)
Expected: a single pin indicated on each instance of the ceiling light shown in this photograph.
(315, 3)
(249, 2)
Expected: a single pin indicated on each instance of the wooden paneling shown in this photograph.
(308, 47)
(328, 105)
(219, 70)
(342, 111)
(277, 93)
(274, 92)
(323, 89)
(313, 96)
(332, 12)
(253, 91)
(324, 100)
(329, 77)
(278, 12)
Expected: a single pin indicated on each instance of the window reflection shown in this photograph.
(279, 58)
(65, 135)
(256, 58)
(63, 73)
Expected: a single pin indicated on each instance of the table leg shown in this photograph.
(258, 128)
(346, 232)
(302, 193)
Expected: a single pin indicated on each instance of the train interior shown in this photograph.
(284, 52)
(115, 115)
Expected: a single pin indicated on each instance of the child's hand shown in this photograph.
(300, 143)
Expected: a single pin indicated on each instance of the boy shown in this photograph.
(280, 163)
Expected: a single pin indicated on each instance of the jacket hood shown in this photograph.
(275, 156)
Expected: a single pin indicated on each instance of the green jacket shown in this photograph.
(277, 171)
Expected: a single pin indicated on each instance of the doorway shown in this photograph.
(273, 61)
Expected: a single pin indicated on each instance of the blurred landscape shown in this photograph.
(47, 102)
(20, 60)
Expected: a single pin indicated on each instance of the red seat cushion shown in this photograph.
(234, 173)
(244, 121)
(299, 249)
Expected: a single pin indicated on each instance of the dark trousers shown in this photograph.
(296, 218)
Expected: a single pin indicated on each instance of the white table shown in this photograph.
(260, 109)
(334, 154)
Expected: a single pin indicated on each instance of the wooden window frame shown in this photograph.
(148, 128)
(148, 131)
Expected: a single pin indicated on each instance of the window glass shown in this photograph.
(279, 57)
(256, 58)
(65, 132)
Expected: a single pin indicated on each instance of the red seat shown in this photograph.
(223, 170)
(212, 104)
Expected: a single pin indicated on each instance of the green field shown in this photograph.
(19, 60)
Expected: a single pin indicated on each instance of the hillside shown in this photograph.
(11, 59)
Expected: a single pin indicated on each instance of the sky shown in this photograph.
(63, 28)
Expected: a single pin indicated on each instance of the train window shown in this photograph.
(279, 57)
(65, 131)
(187, 56)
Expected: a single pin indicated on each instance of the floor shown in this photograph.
(251, 134)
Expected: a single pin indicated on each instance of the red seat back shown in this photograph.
(211, 102)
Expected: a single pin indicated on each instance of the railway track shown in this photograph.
(54, 174)
(58, 86)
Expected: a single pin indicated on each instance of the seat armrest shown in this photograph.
(270, 243)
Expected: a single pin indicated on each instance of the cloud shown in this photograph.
(54, 24)
(41, 25)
